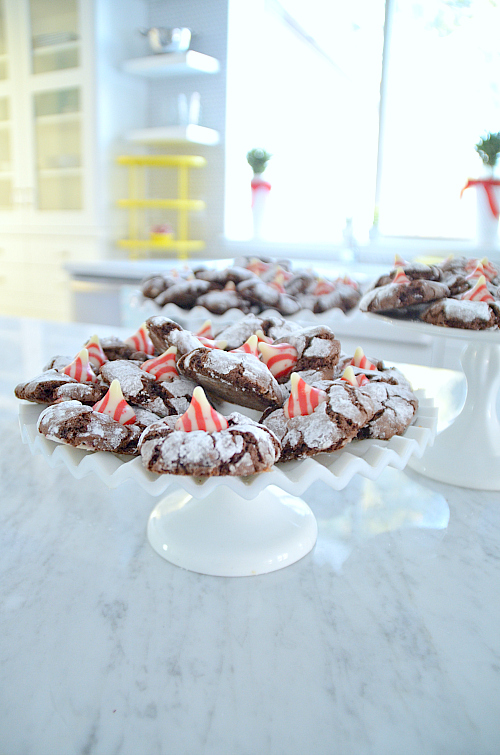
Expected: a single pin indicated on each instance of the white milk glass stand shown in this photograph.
(235, 526)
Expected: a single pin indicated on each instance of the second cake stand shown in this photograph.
(467, 452)
(236, 526)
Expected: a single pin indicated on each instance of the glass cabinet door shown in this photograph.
(5, 155)
(4, 61)
(5, 122)
(58, 142)
(55, 37)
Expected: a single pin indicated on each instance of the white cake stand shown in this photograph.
(236, 526)
(467, 452)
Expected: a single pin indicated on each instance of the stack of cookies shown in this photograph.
(231, 402)
(459, 292)
(252, 285)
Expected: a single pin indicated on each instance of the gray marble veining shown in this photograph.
(383, 640)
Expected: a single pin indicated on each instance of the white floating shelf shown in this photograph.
(174, 134)
(172, 64)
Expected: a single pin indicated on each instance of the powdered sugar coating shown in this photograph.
(77, 425)
(332, 425)
(244, 448)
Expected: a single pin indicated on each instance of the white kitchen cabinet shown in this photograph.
(63, 107)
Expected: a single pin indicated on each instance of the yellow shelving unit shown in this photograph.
(136, 203)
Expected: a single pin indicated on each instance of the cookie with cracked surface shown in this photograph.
(395, 407)
(77, 425)
(399, 296)
(52, 386)
(317, 349)
(461, 313)
(140, 388)
(244, 448)
(332, 424)
(183, 293)
(165, 333)
(218, 302)
(239, 378)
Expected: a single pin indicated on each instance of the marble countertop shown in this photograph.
(383, 640)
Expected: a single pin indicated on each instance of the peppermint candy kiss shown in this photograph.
(81, 369)
(211, 344)
(479, 292)
(200, 415)
(323, 287)
(356, 380)
(359, 360)
(400, 276)
(277, 283)
(303, 399)
(115, 405)
(399, 261)
(279, 358)
(97, 357)
(262, 337)
(141, 341)
(249, 347)
(206, 330)
(489, 270)
(163, 367)
(476, 273)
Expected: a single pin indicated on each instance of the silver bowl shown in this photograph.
(167, 40)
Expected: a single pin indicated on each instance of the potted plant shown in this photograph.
(258, 159)
(488, 191)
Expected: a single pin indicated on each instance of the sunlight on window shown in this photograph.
(303, 84)
(442, 95)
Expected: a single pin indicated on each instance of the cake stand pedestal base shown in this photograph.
(225, 535)
(467, 452)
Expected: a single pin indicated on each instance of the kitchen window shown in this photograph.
(313, 82)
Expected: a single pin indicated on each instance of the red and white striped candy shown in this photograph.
(350, 282)
(249, 347)
(163, 367)
(277, 283)
(323, 287)
(471, 264)
(115, 405)
(479, 292)
(141, 341)
(257, 266)
(350, 377)
(400, 276)
(279, 358)
(211, 344)
(97, 357)
(261, 337)
(476, 273)
(303, 399)
(399, 261)
(200, 415)
(206, 330)
(81, 369)
(490, 270)
(359, 360)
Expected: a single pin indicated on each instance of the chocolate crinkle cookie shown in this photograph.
(140, 388)
(238, 378)
(243, 448)
(395, 296)
(317, 349)
(77, 425)
(165, 333)
(395, 407)
(332, 425)
(52, 386)
(461, 313)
